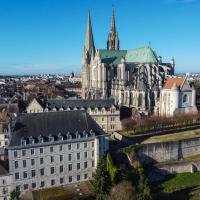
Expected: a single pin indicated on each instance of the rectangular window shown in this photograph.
(92, 144)
(41, 150)
(92, 163)
(32, 151)
(33, 173)
(85, 154)
(69, 157)
(69, 147)
(61, 168)
(24, 163)
(52, 170)
(41, 161)
(78, 177)
(70, 167)
(61, 158)
(52, 159)
(92, 153)
(78, 146)
(51, 149)
(33, 185)
(85, 164)
(102, 119)
(16, 176)
(42, 172)
(85, 144)
(25, 174)
(23, 152)
(78, 156)
(42, 184)
(70, 179)
(17, 188)
(60, 147)
(61, 180)
(15, 154)
(52, 182)
(78, 166)
(16, 164)
(32, 162)
(25, 186)
(85, 176)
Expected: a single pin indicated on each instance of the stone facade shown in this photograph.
(177, 96)
(132, 77)
(5, 186)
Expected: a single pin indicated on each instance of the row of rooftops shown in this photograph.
(53, 126)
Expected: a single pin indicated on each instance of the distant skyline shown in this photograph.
(47, 36)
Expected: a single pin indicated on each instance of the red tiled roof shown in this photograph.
(171, 81)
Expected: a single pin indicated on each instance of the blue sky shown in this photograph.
(47, 36)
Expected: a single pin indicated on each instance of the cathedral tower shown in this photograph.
(113, 40)
(88, 55)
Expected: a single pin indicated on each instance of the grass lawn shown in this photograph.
(173, 137)
(184, 186)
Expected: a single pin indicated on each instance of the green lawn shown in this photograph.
(184, 186)
(173, 137)
(181, 181)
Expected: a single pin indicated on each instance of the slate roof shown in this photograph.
(80, 103)
(139, 55)
(53, 123)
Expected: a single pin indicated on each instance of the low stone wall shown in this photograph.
(165, 151)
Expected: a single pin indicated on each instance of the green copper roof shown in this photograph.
(141, 55)
(112, 56)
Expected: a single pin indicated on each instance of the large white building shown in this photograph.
(103, 111)
(177, 96)
(53, 149)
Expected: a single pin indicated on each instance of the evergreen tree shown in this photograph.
(102, 181)
(144, 192)
(14, 195)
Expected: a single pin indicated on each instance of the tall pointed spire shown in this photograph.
(113, 29)
(113, 40)
(89, 41)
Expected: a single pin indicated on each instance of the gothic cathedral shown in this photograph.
(133, 78)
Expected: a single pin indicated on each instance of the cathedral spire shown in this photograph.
(89, 41)
(113, 40)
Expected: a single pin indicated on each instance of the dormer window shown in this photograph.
(89, 110)
(96, 110)
(103, 110)
(60, 137)
(41, 139)
(51, 138)
(31, 139)
(23, 142)
(92, 133)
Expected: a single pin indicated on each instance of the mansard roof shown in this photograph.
(53, 123)
(139, 55)
(80, 103)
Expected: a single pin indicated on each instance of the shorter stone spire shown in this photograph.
(113, 40)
